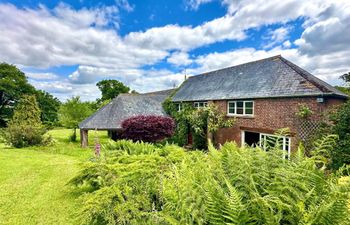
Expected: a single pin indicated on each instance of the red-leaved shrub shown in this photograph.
(148, 128)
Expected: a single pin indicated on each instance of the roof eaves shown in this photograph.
(81, 124)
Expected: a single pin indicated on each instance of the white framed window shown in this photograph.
(199, 105)
(244, 108)
(268, 141)
(178, 107)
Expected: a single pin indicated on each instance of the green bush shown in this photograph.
(135, 184)
(341, 127)
(25, 128)
(23, 136)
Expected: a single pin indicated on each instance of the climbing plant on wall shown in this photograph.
(201, 123)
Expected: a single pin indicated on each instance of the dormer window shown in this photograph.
(199, 105)
(241, 108)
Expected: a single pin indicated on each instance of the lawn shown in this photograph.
(33, 181)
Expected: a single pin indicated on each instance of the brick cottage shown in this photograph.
(264, 96)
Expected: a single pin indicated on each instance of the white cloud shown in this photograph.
(91, 74)
(194, 4)
(42, 76)
(63, 89)
(330, 33)
(242, 16)
(124, 4)
(179, 59)
(85, 17)
(159, 80)
(275, 37)
(42, 38)
(287, 44)
(175, 37)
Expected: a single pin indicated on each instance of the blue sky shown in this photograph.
(65, 47)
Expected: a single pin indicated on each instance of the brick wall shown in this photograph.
(273, 114)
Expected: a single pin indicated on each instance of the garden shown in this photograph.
(152, 177)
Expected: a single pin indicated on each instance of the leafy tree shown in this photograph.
(345, 90)
(27, 112)
(72, 112)
(49, 106)
(345, 77)
(341, 127)
(111, 88)
(13, 84)
(148, 128)
(25, 128)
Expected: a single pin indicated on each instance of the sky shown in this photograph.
(65, 47)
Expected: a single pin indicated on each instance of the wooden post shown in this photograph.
(84, 138)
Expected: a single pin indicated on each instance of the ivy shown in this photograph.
(304, 112)
(198, 122)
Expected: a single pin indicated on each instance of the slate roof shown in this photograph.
(266, 78)
(124, 106)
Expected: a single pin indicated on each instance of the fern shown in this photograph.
(140, 183)
(321, 152)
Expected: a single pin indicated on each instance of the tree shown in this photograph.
(13, 84)
(345, 77)
(111, 88)
(148, 128)
(72, 112)
(345, 90)
(341, 120)
(25, 127)
(49, 106)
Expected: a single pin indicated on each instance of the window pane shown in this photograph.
(248, 111)
(240, 104)
(178, 106)
(231, 107)
(287, 144)
(240, 111)
(200, 104)
(248, 104)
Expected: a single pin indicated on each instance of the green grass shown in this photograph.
(33, 181)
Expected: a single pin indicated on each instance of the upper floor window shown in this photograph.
(178, 107)
(245, 108)
(199, 105)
